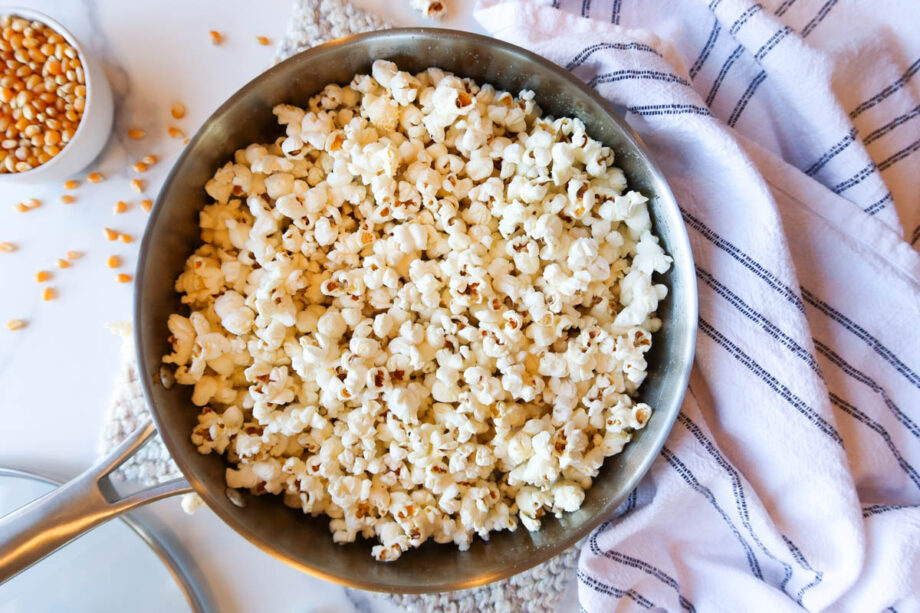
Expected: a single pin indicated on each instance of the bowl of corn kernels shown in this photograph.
(55, 101)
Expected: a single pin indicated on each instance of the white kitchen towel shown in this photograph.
(788, 131)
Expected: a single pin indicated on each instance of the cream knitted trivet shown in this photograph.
(127, 409)
(537, 590)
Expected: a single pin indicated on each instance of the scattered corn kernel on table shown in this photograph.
(68, 252)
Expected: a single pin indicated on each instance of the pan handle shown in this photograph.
(39, 528)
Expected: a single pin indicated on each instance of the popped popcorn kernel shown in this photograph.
(433, 9)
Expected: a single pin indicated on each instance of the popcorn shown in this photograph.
(434, 9)
(421, 312)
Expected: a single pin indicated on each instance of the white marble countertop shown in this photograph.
(56, 375)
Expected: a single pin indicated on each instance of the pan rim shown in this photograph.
(685, 352)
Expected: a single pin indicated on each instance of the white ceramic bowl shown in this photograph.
(95, 124)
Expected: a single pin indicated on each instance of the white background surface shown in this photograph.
(56, 375)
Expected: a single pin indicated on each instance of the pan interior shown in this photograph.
(172, 235)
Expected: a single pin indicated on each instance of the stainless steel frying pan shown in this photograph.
(287, 534)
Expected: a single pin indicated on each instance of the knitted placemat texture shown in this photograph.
(537, 590)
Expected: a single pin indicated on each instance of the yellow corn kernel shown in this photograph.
(33, 203)
(73, 255)
(125, 238)
(139, 167)
(71, 184)
(22, 208)
(110, 234)
(137, 185)
(49, 293)
(175, 132)
(137, 133)
(67, 199)
(150, 160)
(42, 275)
(147, 205)
(114, 261)
(216, 37)
(95, 177)
(15, 324)
(123, 278)
(62, 263)
(7, 247)
(178, 110)
(120, 207)
(263, 40)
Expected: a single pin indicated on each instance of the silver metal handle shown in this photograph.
(39, 528)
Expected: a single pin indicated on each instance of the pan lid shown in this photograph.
(122, 564)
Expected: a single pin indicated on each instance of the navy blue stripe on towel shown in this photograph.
(772, 382)
(704, 491)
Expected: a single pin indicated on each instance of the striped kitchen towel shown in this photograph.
(789, 131)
